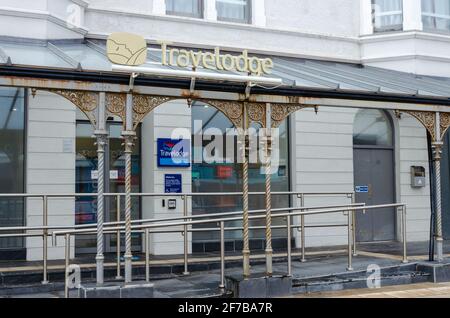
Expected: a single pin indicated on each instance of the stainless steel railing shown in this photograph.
(45, 228)
(349, 210)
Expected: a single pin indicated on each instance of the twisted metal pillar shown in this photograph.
(268, 197)
(101, 136)
(129, 142)
(437, 154)
(245, 191)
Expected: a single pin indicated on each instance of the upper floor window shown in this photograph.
(187, 8)
(233, 10)
(436, 14)
(387, 15)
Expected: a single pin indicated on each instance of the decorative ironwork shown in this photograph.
(282, 111)
(257, 113)
(428, 120)
(115, 105)
(445, 123)
(232, 110)
(144, 104)
(85, 101)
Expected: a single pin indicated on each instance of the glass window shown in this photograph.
(86, 182)
(233, 10)
(372, 128)
(207, 122)
(187, 8)
(436, 14)
(12, 159)
(387, 15)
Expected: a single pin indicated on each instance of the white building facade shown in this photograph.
(329, 150)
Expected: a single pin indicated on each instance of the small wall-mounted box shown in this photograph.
(418, 177)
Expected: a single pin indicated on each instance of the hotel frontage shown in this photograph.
(114, 111)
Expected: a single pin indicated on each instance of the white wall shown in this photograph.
(414, 152)
(322, 161)
(50, 166)
(161, 123)
(323, 148)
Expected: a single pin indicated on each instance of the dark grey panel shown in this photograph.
(374, 168)
(445, 177)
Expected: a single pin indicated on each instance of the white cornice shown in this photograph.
(229, 25)
(423, 35)
(41, 15)
(404, 57)
(81, 3)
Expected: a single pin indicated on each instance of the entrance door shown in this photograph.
(86, 182)
(373, 161)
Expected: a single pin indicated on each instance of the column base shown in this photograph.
(259, 286)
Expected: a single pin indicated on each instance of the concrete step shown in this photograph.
(389, 276)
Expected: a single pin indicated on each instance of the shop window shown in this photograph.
(187, 8)
(436, 15)
(225, 175)
(12, 164)
(387, 15)
(233, 10)
(372, 128)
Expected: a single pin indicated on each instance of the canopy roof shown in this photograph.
(89, 56)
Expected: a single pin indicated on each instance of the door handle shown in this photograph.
(370, 191)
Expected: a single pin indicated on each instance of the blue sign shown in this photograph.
(362, 189)
(173, 183)
(174, 152)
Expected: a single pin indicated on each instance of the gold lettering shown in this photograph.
(171, 56)
(242, 62)
(228, 62)
(183, 58)
(196, 58)
(163, 52)
(267, 66)
(208, 61)
(218, 64)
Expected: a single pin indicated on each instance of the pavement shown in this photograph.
(425, 290)
(320, 262)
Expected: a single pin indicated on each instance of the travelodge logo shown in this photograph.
(126, 49)
(174, 152)
(131, 50)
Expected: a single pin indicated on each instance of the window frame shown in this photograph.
(434, 16)
(200, 15)
(247, 20)
(386, 28)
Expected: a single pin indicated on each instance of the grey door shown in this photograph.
(373, 168)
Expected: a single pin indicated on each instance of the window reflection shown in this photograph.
(227, 177)
(372, 128)
(12, 155)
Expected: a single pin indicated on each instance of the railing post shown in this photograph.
(354, 224)
(67, 260)
(185, 233)
(45, 239)
(289, 256)
(302, 228)
(147, 255)
(405, 256)
(222, 255)
(118, 245)
(350, 239)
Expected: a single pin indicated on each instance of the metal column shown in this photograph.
(437, 154)
(128, 136)
(268, 174)
(101, 135)
(245, 221)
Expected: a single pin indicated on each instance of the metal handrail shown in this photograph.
(349, 210)
(184, 196)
